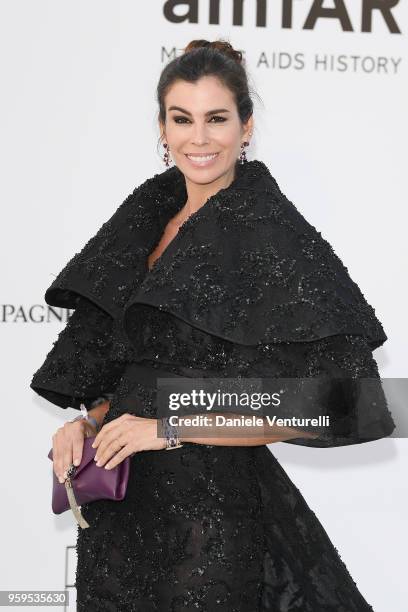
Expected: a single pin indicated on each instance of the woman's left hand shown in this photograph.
(124, 436)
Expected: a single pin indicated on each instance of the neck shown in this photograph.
(198, 194)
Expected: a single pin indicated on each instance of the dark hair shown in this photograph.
(205, 58)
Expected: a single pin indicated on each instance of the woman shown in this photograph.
(207, 270)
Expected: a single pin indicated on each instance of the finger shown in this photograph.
(55, 458)
(67, 449)
(115, 432)
(112, 449)
(58, 455)
(100, 436)
(77, 448)
(126, 451)
(107, 428)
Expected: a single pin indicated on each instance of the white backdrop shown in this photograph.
(78, 133)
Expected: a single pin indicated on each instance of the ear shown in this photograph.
(162, 131)
(248, 129)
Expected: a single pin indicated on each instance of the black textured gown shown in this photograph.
(206, 527)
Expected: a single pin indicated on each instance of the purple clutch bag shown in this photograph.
(87, 482)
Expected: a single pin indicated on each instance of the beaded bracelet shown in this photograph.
(85, 416)
(101, 400)
(171, 434)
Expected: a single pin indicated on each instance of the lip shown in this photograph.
(202, 164)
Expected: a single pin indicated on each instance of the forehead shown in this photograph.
(199, 95)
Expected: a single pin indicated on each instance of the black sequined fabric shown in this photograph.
(86, 360)
(247, 288)
(210, 528)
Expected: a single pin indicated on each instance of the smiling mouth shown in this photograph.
(201, 156)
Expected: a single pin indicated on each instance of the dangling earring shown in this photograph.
(243, 157)
(166, 157)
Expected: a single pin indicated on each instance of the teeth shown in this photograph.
(202, 158)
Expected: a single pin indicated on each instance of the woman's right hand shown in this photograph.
(67, 446)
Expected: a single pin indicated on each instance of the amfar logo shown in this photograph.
(316, 12)
(36, 313)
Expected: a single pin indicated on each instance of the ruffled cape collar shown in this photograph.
(246, 267)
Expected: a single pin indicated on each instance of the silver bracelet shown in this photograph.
(171, 434)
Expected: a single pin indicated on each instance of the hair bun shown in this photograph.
(221, 45)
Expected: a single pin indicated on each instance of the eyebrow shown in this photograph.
(211, 112)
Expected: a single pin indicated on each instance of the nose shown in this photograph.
(199, 135)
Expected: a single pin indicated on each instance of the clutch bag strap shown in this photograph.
(71, 498)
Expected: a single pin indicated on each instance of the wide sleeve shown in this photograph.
(86, 361)
(335, 377)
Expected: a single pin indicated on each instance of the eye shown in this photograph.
(180, 120)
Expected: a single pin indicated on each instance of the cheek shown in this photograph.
(230, 137)
(176, 136)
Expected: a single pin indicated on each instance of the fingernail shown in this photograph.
(107, 466)
(60, 479)
(95, 458)
(76, 461)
